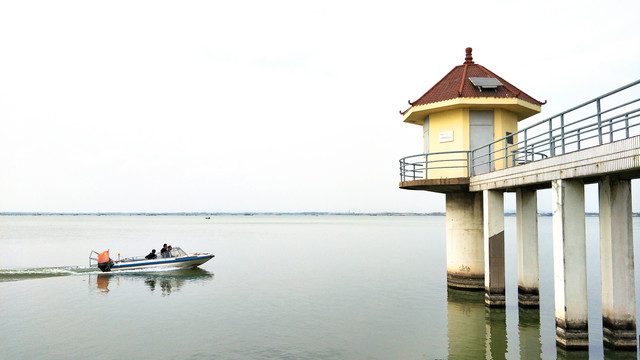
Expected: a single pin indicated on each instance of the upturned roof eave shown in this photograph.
(415, 114)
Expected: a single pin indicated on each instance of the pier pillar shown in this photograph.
(616, 261)
(527, 235)
(493, 248)
(570, 264)
(465, 250)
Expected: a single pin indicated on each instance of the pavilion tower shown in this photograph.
(468, 109)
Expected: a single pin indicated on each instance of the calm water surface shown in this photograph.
(280, 287)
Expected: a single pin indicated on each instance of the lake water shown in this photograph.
(280, 287)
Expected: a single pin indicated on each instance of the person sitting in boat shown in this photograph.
(152, 255)
(163, 251)
(169, 251)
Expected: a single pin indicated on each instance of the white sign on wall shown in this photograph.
(446, 136)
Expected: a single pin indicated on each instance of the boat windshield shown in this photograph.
(176, 251)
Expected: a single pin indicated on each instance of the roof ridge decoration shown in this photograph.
(464, 73)
(456, 84)
(468, 59)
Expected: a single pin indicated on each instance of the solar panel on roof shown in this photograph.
(485, 82)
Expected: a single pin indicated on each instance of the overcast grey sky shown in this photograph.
(267, 105)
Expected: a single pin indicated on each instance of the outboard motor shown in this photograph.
(104, 261)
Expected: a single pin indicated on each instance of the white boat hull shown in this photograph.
(182, 262)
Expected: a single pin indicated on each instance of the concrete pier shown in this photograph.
(494, 248)
(570, 264)
(527, 237)
(465, 249)
(616, 262)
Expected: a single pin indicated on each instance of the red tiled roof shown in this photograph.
(457, 84)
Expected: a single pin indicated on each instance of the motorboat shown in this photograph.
(175, 258)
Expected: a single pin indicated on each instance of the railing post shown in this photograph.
(552, 143)
(525, 145)
(471, 163)
(599, 121)
(468, 163)
(426, 166)
(626, 125)
(562, 132)
(611, 130)
(491, 159)
(578, 138)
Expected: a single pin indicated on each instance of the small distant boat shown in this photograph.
(177, 259)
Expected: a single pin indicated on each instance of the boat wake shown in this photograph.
(7, 275)
(46, 272)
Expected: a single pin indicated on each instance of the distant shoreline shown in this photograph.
(309, 213)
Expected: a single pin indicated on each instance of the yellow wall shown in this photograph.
(504, 121)
(456, 120)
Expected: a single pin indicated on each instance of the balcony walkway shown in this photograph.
(599, 137)
(620, 158)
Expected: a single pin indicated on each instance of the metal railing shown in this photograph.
(616, 116)
(415, 167)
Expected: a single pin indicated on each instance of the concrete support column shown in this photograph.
(570, 264)
(465, 250)
(616, 261)
(493, 248)
(527, 235)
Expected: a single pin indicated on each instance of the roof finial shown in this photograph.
(468, 59)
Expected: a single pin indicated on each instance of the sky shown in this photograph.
(250, 106)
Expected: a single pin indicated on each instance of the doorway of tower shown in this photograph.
(480, 135)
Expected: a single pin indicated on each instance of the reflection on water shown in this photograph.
(475, 330)
(466, 324)
(495, 321)
(163, 282)
(622, 355)
(573, 354)
(102, 283)
(529, 333)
